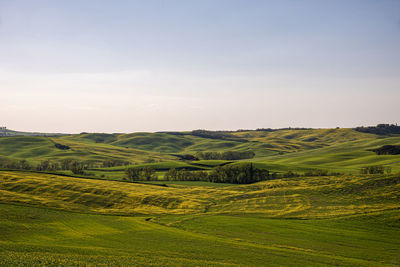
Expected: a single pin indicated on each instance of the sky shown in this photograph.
(126, 66)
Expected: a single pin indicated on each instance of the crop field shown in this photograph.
(344, 220)
(199, 133)
(98, 218)
(336, 150)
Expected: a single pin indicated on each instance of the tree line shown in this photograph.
(380, 129)
(227, 155)
(245, 173)
(220, 135)
(75, 166)
(387, 150)
(376, 169)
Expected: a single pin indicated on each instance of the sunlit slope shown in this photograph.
(362, 240)
(308, 221)
(342, 150)
(315, 197)
(347, 156)
(263, 143)
(157, 142)
(36, 237)
(298, 140)
(36, 148)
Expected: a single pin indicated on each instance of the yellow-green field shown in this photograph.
(335, 150)
(305, 197)
(56, 220)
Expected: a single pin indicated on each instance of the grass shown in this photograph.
(189, 183)
(52, 220)
(347, 220)
(312, 197)
(335, 150)
(338, 150)
(161, 166)
(38, 148)
(347, 157)
(38, 236)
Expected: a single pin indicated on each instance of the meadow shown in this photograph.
(334, 150)
(100, 219)
(347, 220)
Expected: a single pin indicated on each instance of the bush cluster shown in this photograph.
(236, 174)
(227, 155)
(376, 169)
(380, 129)
(141, 174)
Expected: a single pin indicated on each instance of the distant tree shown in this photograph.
(171, 175)
(377, 169)
(380, 129)
(66, 164)
(244, 173)
(62, 147)
(23, 164)
(133, 174)
(388, 169)
(387, 150)
(43, 165)
(54, 166)
(77, 167)
(149, 174)
(114, 162)
(227, 155)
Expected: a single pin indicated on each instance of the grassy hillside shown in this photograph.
(263, 143)
(336, 150)
(346, 221)
(38, 148)
(345, 157)
(312, 197)
(8, 132)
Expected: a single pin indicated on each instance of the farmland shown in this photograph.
(336, 150)
(347, 220)
(101, 219)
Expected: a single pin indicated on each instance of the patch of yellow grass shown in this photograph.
(301, 197)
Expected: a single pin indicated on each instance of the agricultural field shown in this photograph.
(334, 150)
(346, 220)
(100, 218)
(177, 133)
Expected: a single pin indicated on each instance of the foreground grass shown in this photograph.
(304, 197)
(37, 236)
(47, 219)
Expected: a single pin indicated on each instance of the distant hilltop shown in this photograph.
(7, 132)
(227, 135)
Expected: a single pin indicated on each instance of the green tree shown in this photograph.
(133, 174)
(149, 174)
(77, 167)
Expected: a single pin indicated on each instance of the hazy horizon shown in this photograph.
(129, 66)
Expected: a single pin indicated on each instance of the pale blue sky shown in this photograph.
(124, 66)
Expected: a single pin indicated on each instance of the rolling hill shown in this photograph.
(103, 220)
(335, 150)
(325, 221)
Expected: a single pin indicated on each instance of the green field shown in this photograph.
(346, 220)
(333, 150)
(100, 219)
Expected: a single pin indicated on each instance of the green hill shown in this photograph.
(324, 221)
(298, 150)
(38, 148)
(343, 157)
